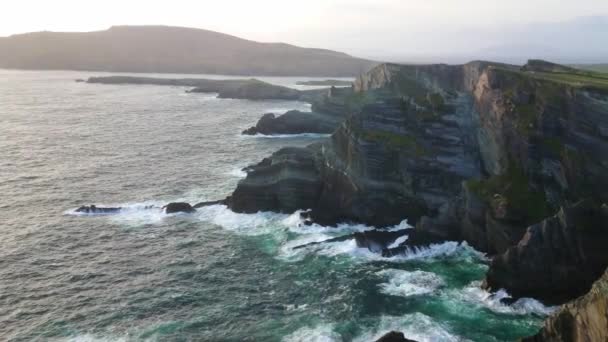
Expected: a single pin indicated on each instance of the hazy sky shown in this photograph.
(356, 26)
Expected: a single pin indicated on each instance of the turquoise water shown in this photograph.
(214, 275)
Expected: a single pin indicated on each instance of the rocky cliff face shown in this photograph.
(477, 152)
(480, 150)
(558, 259)
(402, 154)
(583, 320)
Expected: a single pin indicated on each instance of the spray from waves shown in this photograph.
(90, 338)
(238, 173)
(399, 241)
(286, 136)
(475, 295)
(416, 326)
(246, 224)
(461, 250)
(320, 333)
(405, 284)
(311, 240)
(133, 214)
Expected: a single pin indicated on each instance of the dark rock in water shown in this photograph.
(80, 80)
(178, 207)
(394, 336)
(583, 320)
(376, 241)
(558, 259)
(294, 122)
(92, 209)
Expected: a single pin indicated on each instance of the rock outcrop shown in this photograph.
(178, 207)
(583, 320)
(394, 336)
(558, 259)
(294, 122)
(285, 182)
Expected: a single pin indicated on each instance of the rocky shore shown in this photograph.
(330, 107)
(513, 160)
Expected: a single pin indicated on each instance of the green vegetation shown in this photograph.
(405, 85)
(583, 79)
(436, 101)
(396, 141)
(515, 188)
(356, 101)
(527, 117)
(554, 145)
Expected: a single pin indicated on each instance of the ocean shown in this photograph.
(215, 275)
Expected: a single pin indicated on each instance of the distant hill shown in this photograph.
(166, 49)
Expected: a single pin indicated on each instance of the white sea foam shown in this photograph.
(248, 224)
(405, 283)
(238, 173)
(148, 212)
(439, 251)
(474, 294)
(416, 326)
(319, 333)
(91, 338)
(399, 241)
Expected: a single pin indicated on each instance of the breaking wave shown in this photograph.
(405, 283)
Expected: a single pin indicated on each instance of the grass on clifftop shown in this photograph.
(584, 79)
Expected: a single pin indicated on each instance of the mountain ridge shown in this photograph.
(170, 49)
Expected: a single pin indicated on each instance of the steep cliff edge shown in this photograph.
(475, 152)
(583, 320)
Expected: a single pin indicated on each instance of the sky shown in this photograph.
(368, 28)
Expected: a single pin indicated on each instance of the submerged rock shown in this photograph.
(583, 320)
(394, 336)
(178, 207)
(558, 259)
(92, 209)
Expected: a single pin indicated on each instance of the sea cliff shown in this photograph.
(485, 153)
